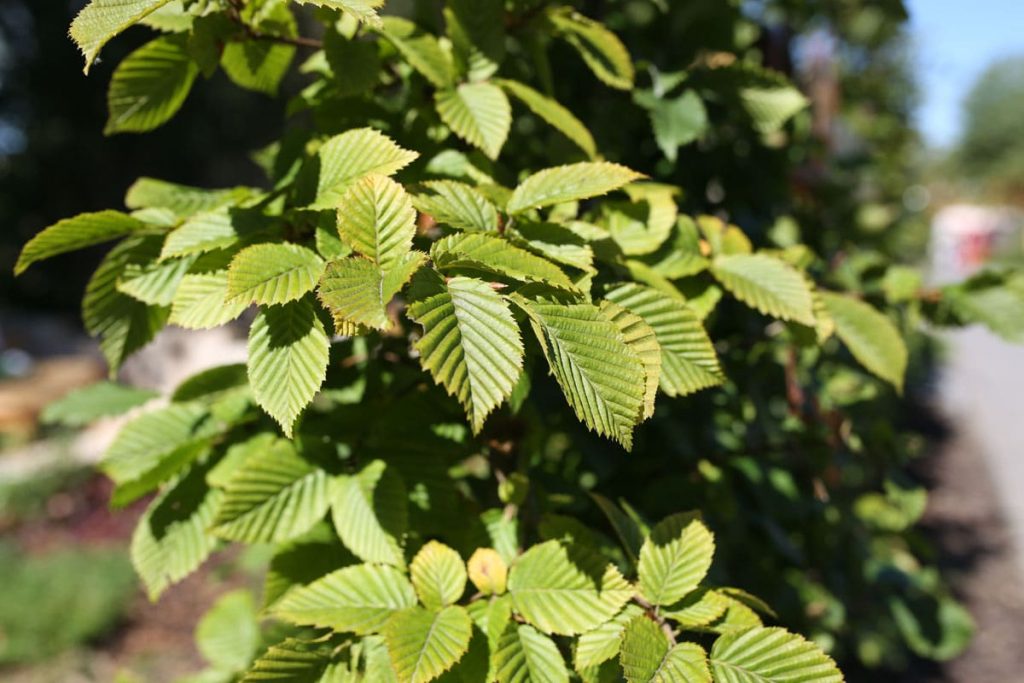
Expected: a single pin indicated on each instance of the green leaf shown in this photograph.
(259, 65)
(148, 449)
(676, 121)
(294, 661)
(601, 376)
(359, 599)
(477, 32)
(302, 561)
(698, 609)
(205, 231)
(767, 284)
(183, 200)
(554, 114)
(101, 20)
(123, 324)
(171, 540)
(626, 527)
(438, 575)
(601, 49)
(376, 219)
(72, 234)
(201, 302)
(288, 355)
(273, 273)
(604, 642)
(524, 655)
(470, 345)
(770, 655)
(88, 404)
(871, 336)
(674, 559)
(770, 107)
(421, 50)
(457, 205)
(351, 156)
(554, 242)
(640, 337)
(155, 282)
(486, 252)
(371, 513)
(569, 183)
(274, 496)
(150, 85)
(357, 291)
(228, 635)
(688, 360)
(361, 10)
(566, 590)
(479, 113)
(648, 657)
(424, 643)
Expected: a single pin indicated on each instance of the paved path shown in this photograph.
(982, 393)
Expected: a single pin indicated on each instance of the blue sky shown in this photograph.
(955, 40)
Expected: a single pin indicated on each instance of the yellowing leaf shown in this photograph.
(488, 571)
(438, 575)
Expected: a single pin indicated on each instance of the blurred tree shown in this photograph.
(991, 149)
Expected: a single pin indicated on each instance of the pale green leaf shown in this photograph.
(640, 337)
(205, 231)
(154, 283)
(228, 635)
(470, 345)
(604, 642)
(601, 376)
(566, 590)
(72, 234)
(674, 559)
(294, 661)
(770, 107)
(770, 655)
(698, 609)
(101, 20)
(569, 183)
(288, 355)
(361, 10)
(351, 156)
(371, 513)
(103, 399)
(359, 599)
(171, 540)
(150, 85)
(524, 655)
(274, 496)
(648, 657)
(201, 302)
(554, 242)
(357, 291)
(767, 284)
(479, 113)
(424, 643)
(273, 273)
(688, 360)
(376, 218)
(438, 575)
(123, 324)
(303, 560)
(182, 200)
(147, 449)
(457, 205)
(871, 336)
(676, 121)
(601, 49)
(554, 114)
(491, 253)
(421, 50)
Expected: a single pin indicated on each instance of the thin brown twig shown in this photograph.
(234, 13)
